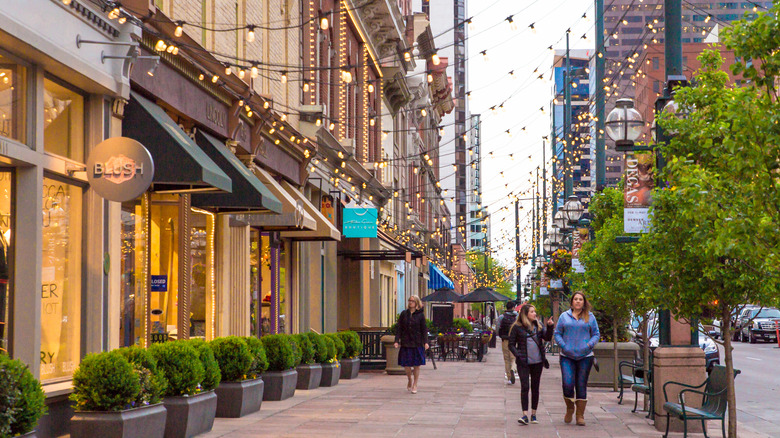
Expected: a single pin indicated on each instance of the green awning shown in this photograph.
(248, 195)
(179, 164)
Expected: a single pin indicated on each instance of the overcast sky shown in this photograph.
(523, 50)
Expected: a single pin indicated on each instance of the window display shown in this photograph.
(61, 279)
(63, 121)
(13, 105)
(273, 285)
(164, 268)
(202, 286)
(6, 202)
(133, 271)
(254, 281)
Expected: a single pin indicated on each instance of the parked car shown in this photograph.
(737, 324)
(710, 348)
(760, 323)
(717, 331)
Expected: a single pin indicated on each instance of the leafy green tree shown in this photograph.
(495, 276)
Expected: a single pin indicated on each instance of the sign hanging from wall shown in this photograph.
(360, 222)
(120, 169)
(581, 235)
(327, 209)
(637, 195)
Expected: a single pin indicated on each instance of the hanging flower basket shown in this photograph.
(560, 264)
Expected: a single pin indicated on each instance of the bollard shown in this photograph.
(777, 333)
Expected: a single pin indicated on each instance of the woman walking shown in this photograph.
(412, 333)
(576, 334)
(526, 342)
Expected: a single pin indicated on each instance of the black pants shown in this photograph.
(534, 372)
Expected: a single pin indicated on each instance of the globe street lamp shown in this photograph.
(548, 245)
(573, 209)
(624, 125)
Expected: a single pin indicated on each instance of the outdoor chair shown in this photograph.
(714, 400)
(632, 375)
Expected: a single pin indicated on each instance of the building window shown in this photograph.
(656, 63)
(63, 120)
(656, 87)
(133, 271)
(6, 201)
(13, 101)
(61, 279)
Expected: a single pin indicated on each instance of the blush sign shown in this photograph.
(120, 169)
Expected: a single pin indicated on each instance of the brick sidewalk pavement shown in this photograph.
(458, 400)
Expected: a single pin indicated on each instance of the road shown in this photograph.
(758, 386)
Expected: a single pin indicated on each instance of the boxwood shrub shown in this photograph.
(259, 357)
(105, 382)
(22, 401)
(307, 349)
(180, 363)
(341, 349)
(211, 373)
(320, 347)
(233, 356)
(331, 346)
(279, 352)
(296, 348)
(352, 343)
(153, 383)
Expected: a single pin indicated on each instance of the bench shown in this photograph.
(714, 399)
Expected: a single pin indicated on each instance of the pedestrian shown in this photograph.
(412, 334)
(526, 342)
(504, 324)
(576, 334)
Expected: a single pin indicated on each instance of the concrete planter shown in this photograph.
(190, 415)
(309, 376)
(28, 435)
(349, 368)
(279, 385)
(604, 354)
(330, 374)
(144, 422)
(236, 399)
(391, 356)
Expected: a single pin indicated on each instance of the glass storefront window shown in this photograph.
(63, 120)
(13, 102)
(164, 270)
(6, 201)
(254, 282)
(61, 279)
(202, 286)
(133, 271)
(273, 262)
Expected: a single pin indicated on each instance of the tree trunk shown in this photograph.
(645, 356)
(616, 374)
(732, 398)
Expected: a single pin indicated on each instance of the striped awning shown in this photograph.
(437, 279)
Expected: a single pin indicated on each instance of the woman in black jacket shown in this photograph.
(526, 342)
(412, 333)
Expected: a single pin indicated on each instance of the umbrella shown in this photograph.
(483, 295)
(443, 295)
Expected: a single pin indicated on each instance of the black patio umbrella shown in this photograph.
(443, 295)
(483, 295)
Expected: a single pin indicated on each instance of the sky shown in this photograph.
(509, 171)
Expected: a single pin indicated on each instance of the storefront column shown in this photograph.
(185, 268)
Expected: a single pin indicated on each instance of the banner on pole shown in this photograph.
(637, 195)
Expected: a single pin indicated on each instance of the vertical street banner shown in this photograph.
(581, 235)
(637, 195)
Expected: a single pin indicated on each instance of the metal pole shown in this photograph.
(567, 149)
(600, 96)
(518, 274)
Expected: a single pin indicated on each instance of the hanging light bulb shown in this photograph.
(384, 135)
(346, 76)
(284, 77)
(370, 88)
(435, 59)
(441, 132)
(254, 72)
(66, 2)
(533, 27)
(318, 122)
(201, 77)
(372, 122)
(407, 56)
(430, 78)
(512, 24)
(305, 87)
(324, 24)
(471, 24)
(214, 79)
(484, 55)
(241, 73)
(160, 46)
(114, 14)
(122, 20)
(423, 112)
(228, 71)
(170, 48)
(179, 30)
(250, 35)
(332, 126)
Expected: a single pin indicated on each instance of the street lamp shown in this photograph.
(624, 125)
(573, 209)
(548, 245)
(558, 220)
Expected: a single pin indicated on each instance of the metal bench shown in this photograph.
(714, 400)
(629, 374)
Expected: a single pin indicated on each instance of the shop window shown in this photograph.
(255, 244)
(13, 101)
(63, 120)
(164, 268)
(61, 279)
(133, 271)
(6, 202)
(202, 285)
(275, 305)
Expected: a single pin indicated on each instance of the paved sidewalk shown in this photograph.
(458, 400)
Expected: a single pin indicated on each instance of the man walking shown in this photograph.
(504, 324)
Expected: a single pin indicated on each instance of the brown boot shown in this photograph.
(581, 412)
(569, 409)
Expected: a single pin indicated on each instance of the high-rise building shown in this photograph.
(478, 232)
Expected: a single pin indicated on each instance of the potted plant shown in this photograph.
(22, 401)
(391, 353)
(239, 392)
(350, 361)
(259, 357)
(118, 394)
(330, 363)
(191, 406)
(281, 377)
(309, 371)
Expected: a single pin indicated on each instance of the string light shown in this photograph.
(435, 59)
(284, 77)
(214, 79)
(324, 24)
(250, 35)
(179, 30)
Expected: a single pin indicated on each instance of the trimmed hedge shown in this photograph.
(234, 358)
(331, 345)
(279, 352)
(320, 348)
(259, 357)
(105, 382)
(211, 373)
(341, 349)
(153, 383)
(307, 348)
(352, 343)
(22, 401)
(181, 365)
(296, 348)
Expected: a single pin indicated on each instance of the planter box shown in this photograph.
(349, 368)
(190, 415)
(604, 354)
(391, 356)
(279, 385)
(330, 374)
(145, 422)
(309, 376)
(28, 435)
(236, 399)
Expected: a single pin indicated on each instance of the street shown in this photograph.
(758, 386)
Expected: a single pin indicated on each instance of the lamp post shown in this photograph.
(624, 125)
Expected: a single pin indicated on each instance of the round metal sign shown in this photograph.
(120, 169)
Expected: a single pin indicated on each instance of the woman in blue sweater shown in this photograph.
(576, 334)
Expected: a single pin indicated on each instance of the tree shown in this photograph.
(714, 232)
(496, 276)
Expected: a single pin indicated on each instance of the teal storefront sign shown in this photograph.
(360, 222)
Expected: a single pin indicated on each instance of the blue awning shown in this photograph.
(437, 279)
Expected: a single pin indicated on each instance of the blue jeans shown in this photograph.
(575, 376)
